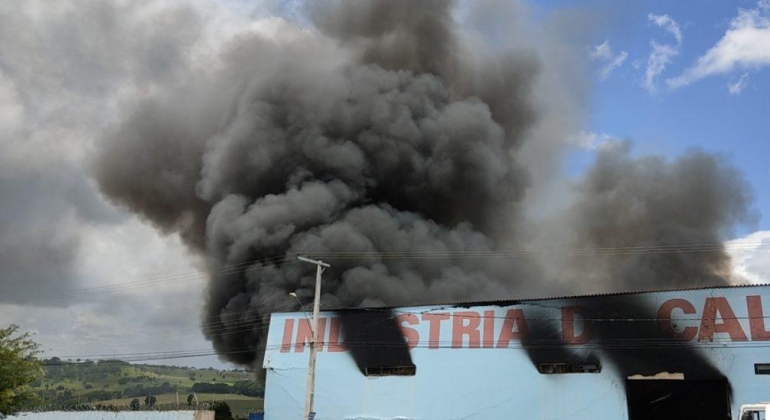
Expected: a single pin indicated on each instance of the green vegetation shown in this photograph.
(222, 411)
(18, 369)
(240, 405)
(139, 387)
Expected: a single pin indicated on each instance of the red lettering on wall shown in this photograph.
(514, 328)
(568, 325)
(757, 319)
(321, 333)
(489, 329)
(335, 345)
(434, 332)
(465, 323)
(304, 334)
(719, 306)
(288, 328)
(664, 315)
(411, 335)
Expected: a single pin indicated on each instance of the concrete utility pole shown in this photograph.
(310, 392)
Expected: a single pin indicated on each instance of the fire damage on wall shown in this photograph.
(653, 347)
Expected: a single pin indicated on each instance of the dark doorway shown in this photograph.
(660, 399)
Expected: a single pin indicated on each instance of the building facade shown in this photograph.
(682, 354)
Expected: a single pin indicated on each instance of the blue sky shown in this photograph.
(664, 117)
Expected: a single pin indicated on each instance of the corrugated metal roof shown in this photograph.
(513, 301)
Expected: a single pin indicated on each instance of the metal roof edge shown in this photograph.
(513, 301)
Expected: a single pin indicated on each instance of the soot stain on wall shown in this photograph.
(373, 339)
(626, 332)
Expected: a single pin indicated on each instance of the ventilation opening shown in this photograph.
(666, 399)
(390, 370)
(556, 368)
(762, 368)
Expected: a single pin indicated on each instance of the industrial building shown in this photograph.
(678, 354)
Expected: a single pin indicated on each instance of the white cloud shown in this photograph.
(603, 53)
(11, 110)
(737, 87)
(659, 58)
(745, 45)
(593, 141)
(661, 54)
(617, 62)
(141, 292)
(667, 23)
(751, 258)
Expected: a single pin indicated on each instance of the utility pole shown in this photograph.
(310, 392)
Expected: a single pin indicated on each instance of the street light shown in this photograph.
(294, 295)
(302, 307)
(310, 391)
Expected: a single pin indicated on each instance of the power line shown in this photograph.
(176, 278)
(431, 345)
(597, 251)
(463, 254)
(238, 326)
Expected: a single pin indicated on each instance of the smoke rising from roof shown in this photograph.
(389, 128)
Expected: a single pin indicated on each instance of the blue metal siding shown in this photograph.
(504, 383)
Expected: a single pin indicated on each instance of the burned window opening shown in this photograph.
(701, 399)
(762, 368)
(557, 368)
(390, 370)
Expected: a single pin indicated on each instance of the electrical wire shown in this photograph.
(175, 278)
(223, 327)
(431, 345)
(279, 259)
(623, 250)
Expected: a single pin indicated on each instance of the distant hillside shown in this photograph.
(118, 382)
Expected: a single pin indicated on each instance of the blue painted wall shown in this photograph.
(502, 382)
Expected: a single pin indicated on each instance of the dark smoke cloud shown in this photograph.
(658, 203)
(388, 129)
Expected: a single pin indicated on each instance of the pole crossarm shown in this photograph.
(316, 262)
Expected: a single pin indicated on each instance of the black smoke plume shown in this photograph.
(386, 128)
(373, 338)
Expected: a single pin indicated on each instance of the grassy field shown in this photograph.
(117, 383)
(240, 405)
(77, 378)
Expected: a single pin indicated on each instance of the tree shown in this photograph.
(190, 399)
(150, 400)
(18, 369)
(249, 388)
(222, 411)
(134, 406)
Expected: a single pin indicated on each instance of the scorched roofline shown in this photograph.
(510, 302)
